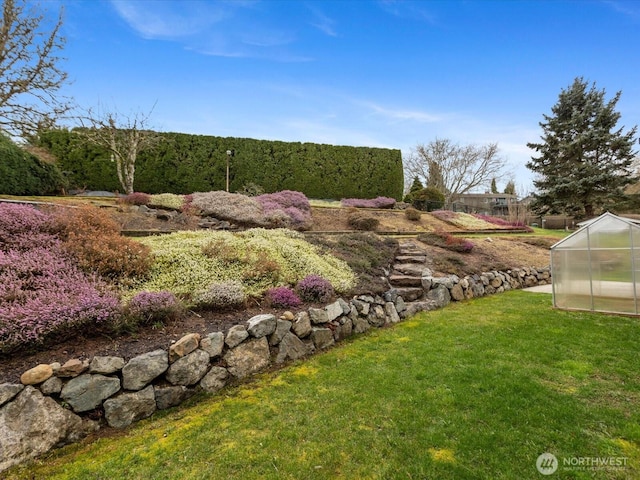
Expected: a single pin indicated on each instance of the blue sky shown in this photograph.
(386, 73)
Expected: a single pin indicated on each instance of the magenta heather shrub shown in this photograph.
(44, 297)
(150, 307)
(502, 222)
(24, 227)
(444, 214)
(137, 198)
(295, 205)
(379, 202)
(283, 297)
(314, 288)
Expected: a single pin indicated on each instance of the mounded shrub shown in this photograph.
(427, 199)
(221, 295)
(283, 297)
(136, 198)
(147, 308)
(45, 298)
(170, 201)
(233, 207)
(24, 227)
(94, 239)
(314, 288)
(362, 221)
(379, 202)
(447, 241)
(294, 205)
(185, 261)
(412, 214)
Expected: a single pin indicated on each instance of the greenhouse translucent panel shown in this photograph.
(609, 233)
(612, 280)
(571, 278)
(577, 240)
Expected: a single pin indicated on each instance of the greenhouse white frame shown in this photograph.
(597, 267)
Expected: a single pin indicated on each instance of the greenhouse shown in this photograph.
(596, 268)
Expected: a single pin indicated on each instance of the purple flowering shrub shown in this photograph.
(283, 297)
(294, 205)
(45, 298)
(447, 241)
(444, 214)
(379, 202)
(136, 198)
(146, 308)
(23, 227)
(314, 288)
(501, 222)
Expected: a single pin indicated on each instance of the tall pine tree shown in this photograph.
(584, 160)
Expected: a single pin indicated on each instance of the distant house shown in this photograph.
(486, 203)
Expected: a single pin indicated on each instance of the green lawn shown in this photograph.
(477, 390)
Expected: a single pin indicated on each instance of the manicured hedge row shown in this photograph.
(183, 164)
(22, 173)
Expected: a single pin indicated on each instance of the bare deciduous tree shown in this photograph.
(124, 136)
(455, 169)
(30, 76)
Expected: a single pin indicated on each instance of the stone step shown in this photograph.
(411, 258)
(405, 281)
(412, 269)
(409, 294)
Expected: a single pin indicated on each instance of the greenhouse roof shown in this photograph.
(605, 222)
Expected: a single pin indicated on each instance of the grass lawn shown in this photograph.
(477, 390)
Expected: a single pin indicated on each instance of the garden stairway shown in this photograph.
(408, 269)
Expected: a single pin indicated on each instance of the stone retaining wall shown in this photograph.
(60, 404)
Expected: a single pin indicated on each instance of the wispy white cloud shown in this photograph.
(170, 20)
(630, 9)
(322, 22)
(399, 114)
(225, 28)
(409, 9)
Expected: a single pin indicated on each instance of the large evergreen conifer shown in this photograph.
(584, 159)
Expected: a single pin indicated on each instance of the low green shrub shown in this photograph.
(412, 214)
(362, 221)
(167, 200)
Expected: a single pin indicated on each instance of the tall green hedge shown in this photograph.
(22, 173)
(183, 163)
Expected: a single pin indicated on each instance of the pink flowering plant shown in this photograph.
(314, 288)
(287, 208)
(379, 202)
(283, 297)
(147, 308)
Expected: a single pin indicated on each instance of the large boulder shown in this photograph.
(215, 379)
(302, 325)
(87, 392)
(248, 358)
(8, 391)
(171, 396)
(236, 335)
(261, 325)
(141, 370)
(292, 348)
(33, 424)
(106, 365)
(184, 346)
(188, 370)
(123, 410)
(213, 344)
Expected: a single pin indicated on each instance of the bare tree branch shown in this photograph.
(124, 136)
(454, 169)
(30, 76)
